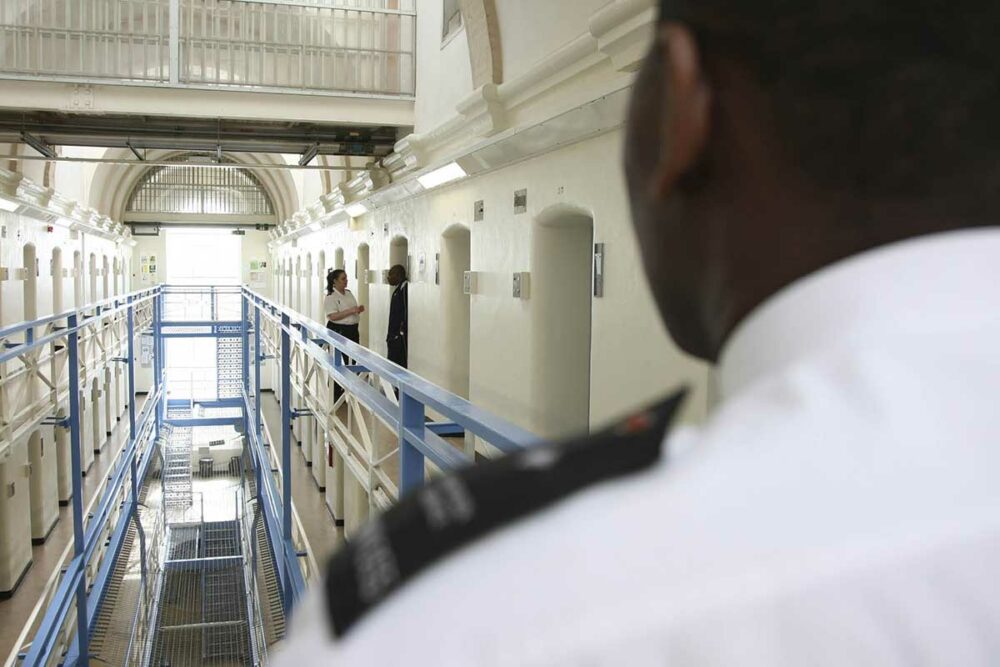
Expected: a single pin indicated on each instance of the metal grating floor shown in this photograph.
(203, 605)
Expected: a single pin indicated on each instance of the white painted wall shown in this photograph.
(530, 31)
(632, 359)
(444, 75)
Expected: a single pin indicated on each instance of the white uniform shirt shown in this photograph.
(840, 507)
(337, 302)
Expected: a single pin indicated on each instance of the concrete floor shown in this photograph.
(20, 608)
(321, 531)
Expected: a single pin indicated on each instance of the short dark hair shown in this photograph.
(882, 98)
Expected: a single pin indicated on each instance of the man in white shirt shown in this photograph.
(814, 187)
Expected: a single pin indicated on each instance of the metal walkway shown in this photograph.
(212, 577)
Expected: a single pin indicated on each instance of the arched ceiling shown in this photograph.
(112, 184)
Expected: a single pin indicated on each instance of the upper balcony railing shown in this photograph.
(363, 47)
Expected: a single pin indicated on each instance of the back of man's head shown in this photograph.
(770, 138)
(884, 98)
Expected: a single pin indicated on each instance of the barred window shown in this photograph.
(194, 187)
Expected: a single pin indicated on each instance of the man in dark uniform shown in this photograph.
(395, 336)
(815, 186)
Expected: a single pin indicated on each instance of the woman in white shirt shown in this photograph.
(342, 312)
(341, 308)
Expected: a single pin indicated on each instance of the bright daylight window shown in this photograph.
(199, 257)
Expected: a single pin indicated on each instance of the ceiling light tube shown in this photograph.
(446, 174)
(8, 205)
(316, 226)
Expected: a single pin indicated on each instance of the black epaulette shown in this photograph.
(451, 512)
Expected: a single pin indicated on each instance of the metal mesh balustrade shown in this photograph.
(119, 39)
(364, 46)
(229, 353)
(338, 47)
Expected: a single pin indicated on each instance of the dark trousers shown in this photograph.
(350, 332)
(397, 350)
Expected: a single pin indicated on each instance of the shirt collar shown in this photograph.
(940, 282)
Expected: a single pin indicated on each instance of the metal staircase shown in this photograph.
(268, 588)
(175, 444)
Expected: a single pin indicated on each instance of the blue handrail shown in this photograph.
(495, 430)
(417, 440)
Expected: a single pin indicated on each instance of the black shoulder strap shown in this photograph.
(453, 511)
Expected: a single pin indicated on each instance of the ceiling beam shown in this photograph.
(230, 136)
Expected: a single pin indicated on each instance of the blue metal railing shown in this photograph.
(132, 463)
(329, 349)
(418, 440)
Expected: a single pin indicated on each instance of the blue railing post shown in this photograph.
(158, 356)
(411, 461)
(245, 359)
(286, 446)
(256, 361)
(79, 546)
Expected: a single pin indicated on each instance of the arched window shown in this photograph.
(197, 186)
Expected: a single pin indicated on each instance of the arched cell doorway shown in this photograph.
(287, 274)
(58, 305)
(308, 304)
(43, 481)
(560, 295)
(105, 277)
(320, 279)
(29, 296)
(92, 296)
(77, 279)
(297, 285)
(455, 260)
(361, 276)
(399, 250)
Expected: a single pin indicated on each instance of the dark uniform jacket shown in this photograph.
(397, 313)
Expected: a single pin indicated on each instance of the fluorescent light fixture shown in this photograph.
(446, 174)
(356, 210)
(8, 205)
(315, 226)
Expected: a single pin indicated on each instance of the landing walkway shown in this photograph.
(321, 531)
(46, 557)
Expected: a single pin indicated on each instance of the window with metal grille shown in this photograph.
(198, 187)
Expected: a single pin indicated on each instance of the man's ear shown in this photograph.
(687, 98)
